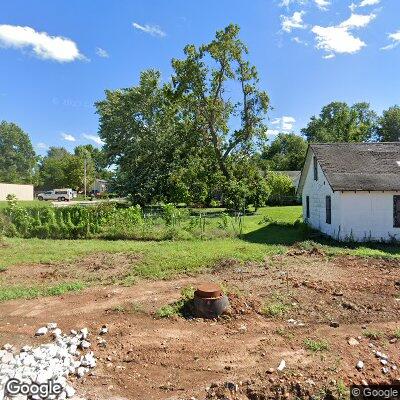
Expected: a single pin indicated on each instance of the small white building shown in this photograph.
(351, 191)
(22, 192)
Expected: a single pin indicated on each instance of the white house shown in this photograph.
(351, 191)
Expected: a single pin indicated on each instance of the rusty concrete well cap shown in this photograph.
(208, 290)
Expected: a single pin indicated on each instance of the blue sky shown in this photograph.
(57, 57)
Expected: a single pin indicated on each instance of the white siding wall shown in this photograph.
(23, 192)
(317, 191)
(368, 216)
(360, 216)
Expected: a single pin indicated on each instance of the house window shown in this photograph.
(328, 204)
(315, 169)
(307, 206)
(396, 211)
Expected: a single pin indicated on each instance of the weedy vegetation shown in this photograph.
(179, 308)
(316, 345)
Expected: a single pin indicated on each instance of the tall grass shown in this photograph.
(113, 222)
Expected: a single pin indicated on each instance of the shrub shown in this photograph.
(282, 191)
(172, 215)
(235, 195)
(19, 217)
(7, 228)
(280, 184)
(106, 221)
(224, 220)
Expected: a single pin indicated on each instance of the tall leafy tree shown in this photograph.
(389, 125)
(135, 124)
(339, 122)
(57, 152)
(17, 157)
(202, 81)
(53, 168)
(99, 158)
(61, 169)
(285, 153)
(176, 141)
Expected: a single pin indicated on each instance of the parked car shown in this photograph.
(56, 194)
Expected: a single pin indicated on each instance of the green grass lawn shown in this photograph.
(27, 203)
(164, 259)
(159, 259)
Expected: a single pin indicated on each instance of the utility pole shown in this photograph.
(85, 175)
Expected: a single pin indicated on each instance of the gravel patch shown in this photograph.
(48, 364)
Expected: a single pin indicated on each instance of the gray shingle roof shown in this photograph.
(360, 166)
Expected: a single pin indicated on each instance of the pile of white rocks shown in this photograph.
(67, 355)
(383, 358)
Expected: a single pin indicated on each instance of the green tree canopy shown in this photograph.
(184, 141)
(280, 184)
(202, 81)
(17, 157)
(136, 124)
(61, 169)
(99, 158)
(339, 122)
(285, 153)
(389, 125)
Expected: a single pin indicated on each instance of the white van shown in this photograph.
(56, 194)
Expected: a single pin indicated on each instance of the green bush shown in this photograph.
(174, 216)
(7, 228)
(282, 191)
(107, 221)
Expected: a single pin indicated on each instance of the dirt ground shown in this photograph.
(236, 357)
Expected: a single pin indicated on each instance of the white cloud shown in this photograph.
(102, 53)
(68, 137)
(395, 37)
(42, 146)
(365, 3)
(322, 4)
(284, 123)
(153, 30)
(334, 39)
(93, 138)
(340, 39)
(357, 21)
(329, 56)
(297, 40)
(293, 22)
(353, 7)
(286, 3)
(287, 123)
(43, 45)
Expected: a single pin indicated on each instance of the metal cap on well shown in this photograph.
(208, 290)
